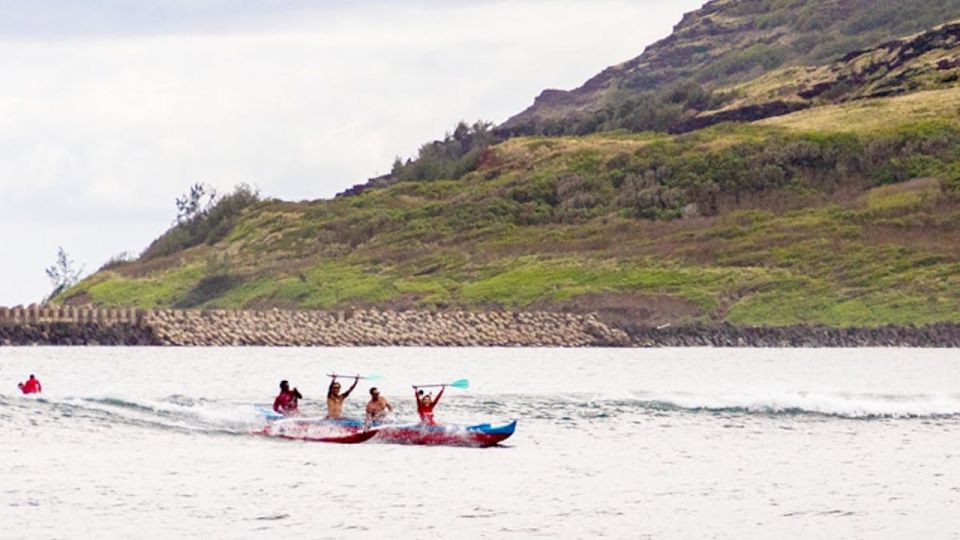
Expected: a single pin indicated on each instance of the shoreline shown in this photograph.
(71, 326)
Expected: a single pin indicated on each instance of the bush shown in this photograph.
(209, 225)
(451, 158)
(638, 111)
(897, 169)
(951, 180)
(662, 178)
(117, 261)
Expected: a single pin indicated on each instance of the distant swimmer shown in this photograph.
(377, 407)
(425, 405)
(32, 386)
(287, 402)
(335, 399)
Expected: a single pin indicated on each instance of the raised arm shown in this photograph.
(352, 386)
(437, 399)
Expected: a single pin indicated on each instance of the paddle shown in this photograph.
(365, 378)
(462, 383)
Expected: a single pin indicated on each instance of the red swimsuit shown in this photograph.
(426, 411)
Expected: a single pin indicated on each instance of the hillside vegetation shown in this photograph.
(845, 213)
(648, 228)
(698, 68)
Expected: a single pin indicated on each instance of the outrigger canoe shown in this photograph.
(347, 430)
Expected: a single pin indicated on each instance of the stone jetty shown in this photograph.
(382, 328)
(70, 325)
(73, 326)
(725, 335)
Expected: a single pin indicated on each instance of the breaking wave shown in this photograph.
(173, 412)
(214, 417)
(856, 406)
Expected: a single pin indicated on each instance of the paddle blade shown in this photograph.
(462, 383)
(373, 377)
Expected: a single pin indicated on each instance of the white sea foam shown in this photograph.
(200, 415)
(841, 405)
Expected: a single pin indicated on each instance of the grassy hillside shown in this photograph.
(823, 216)
(698, 68)
(845, 212)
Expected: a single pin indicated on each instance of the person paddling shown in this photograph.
(287, 401)
(335, 399)
(377, 407)
(32, 386)
(425, 405)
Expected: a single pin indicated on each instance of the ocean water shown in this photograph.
(663, 443)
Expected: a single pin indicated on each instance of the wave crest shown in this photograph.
(863, 406)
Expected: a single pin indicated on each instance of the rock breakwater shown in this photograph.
(70, 325)
(91, 326)
(60, 333)
(382, 328)
(724, 335)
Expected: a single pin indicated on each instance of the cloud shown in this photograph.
(108, 112)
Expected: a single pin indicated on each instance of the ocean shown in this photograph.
(614, 443)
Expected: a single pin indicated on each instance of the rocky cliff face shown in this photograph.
(730, 41)
(663, 62)
(926, 61)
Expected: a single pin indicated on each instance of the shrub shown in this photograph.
(457, 154)
(951, 180)
(902, 169)
(117, 261)
(209, 225)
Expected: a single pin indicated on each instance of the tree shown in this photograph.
(397, 167)
(457, 154)
(195, 202)
(63, 274)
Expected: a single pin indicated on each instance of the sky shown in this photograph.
(110, 109)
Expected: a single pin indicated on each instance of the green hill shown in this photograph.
(844, 213)
(716, 47)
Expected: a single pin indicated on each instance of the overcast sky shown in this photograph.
(110, 109)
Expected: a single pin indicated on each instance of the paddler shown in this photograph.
(287, 401)
(377, 407)
(335, 399)
(32, 386)
(426, 403)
